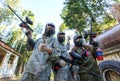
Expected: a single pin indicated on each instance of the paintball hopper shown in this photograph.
(28, 21)
(78, 56)
(75, 55)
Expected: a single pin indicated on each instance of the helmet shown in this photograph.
(78, 43)
(49, 32)
(60, 33)
(50, 24)
(76, 37)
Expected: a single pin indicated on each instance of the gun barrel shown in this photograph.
(15, 13)
(30, 22)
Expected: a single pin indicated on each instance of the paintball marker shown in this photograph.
(25, 23)
(91, 36)
(77, 56)
(75, 61)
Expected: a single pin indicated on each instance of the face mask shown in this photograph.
(61, 39)
(79, 43)
(49, 32)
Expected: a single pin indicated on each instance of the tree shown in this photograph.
(75, 13)
(7, 15)
(14, 34)
(63, 27)
(24, 56)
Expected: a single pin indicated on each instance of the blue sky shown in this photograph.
(45, 10)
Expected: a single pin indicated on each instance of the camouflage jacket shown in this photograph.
(63, 50)
(88, 62)
(41, 61)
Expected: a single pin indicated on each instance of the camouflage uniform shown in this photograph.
(89, 63)
(86, 61)
(62, 74)
(39, 65)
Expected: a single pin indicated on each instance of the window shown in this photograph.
(2, 56)
(11, 60)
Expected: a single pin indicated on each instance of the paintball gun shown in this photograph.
(25, 23)
(91, 35)
(75, 61)
(77, 56)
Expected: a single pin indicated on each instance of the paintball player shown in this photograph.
(61, 68)
(39, 64)
(87, 62)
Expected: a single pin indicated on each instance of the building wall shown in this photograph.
(7, 69)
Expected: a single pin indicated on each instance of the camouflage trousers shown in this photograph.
(63, 75)
(70, 77)
(32, 77)
(60, 76)
(89, 77)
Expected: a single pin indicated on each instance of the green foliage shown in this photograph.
(37, 30)
(16, 35)
(12, 33)
(63, 27)
(117, 0)
(75, 13)
(7, 15)
(24, 56)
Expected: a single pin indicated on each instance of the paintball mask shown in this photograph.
(78, 41)
(50, 29)
(61, 37)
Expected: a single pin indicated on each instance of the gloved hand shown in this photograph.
(57, 67)
(30, 44)
(45, 48)
(95, 44)
(85, 53)
(28, 33)
(62, 63)
(68, 39)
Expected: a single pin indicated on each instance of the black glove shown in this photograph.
(30, 44)
(57, 67)
(95, 44)
(85, 54)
